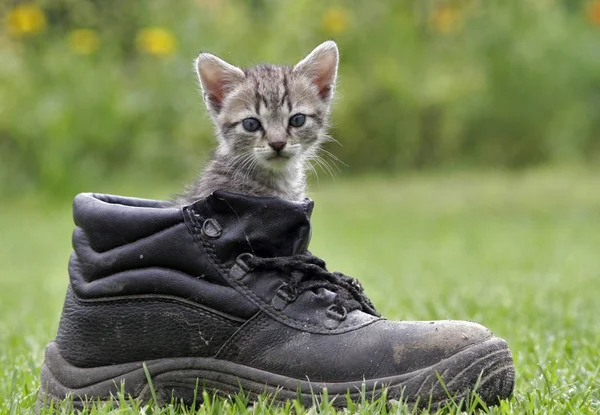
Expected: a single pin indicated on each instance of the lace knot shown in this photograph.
(308, 272)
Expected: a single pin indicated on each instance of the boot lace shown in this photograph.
(308, 272)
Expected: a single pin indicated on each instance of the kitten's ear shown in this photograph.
(217, 78)
(321, 66)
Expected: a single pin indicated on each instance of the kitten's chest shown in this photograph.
(290, 189)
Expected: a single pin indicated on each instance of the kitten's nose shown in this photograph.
(277, 145)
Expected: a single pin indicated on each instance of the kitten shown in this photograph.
(270, 121)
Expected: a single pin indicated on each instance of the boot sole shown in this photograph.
(487, 367)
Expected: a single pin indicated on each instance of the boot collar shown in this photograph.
(264, 226)
(232, 223)
(110, 221)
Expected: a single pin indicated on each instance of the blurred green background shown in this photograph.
(474, 126)
(94, 91)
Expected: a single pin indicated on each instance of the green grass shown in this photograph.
(519, 253)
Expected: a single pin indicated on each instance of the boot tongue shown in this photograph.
(263, 226)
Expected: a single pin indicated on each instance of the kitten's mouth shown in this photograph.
(275, 161)
(278, 157)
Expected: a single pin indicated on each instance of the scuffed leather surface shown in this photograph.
(120, 330)
(308, 312)
(265, 226)
(111, 221)
(164, 281)
(135, 246)
(384, 348)
(146, 283)
(172, 247)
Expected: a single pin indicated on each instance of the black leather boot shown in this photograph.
(223, 293)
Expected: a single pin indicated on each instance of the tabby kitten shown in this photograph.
(269, 120)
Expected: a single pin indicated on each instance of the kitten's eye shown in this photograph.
(297, 120)
(251, 124)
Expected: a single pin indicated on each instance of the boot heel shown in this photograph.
(61, 380)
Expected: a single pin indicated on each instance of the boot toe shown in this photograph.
(464, 356)
(413, 345)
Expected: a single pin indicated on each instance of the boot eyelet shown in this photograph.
(241, 260)
(240, 268)
(211, 229)
(285, 294)
(337, 312)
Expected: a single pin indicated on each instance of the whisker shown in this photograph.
(333, 158)
(311, 169)
(327, 138)
(324, 165)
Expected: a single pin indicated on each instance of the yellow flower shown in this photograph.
(27, 19)
(593, 12)
(156, 41)
(335, 20)
(446, 19)
(84, 41)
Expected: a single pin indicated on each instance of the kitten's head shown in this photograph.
(269, 115)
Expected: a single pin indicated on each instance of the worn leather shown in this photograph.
(135, 246)
(384, 348)
(138, 328)
(150, 281)
(265, 226)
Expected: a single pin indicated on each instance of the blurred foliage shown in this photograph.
(92, 88)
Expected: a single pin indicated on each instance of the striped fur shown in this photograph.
(243, 161)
